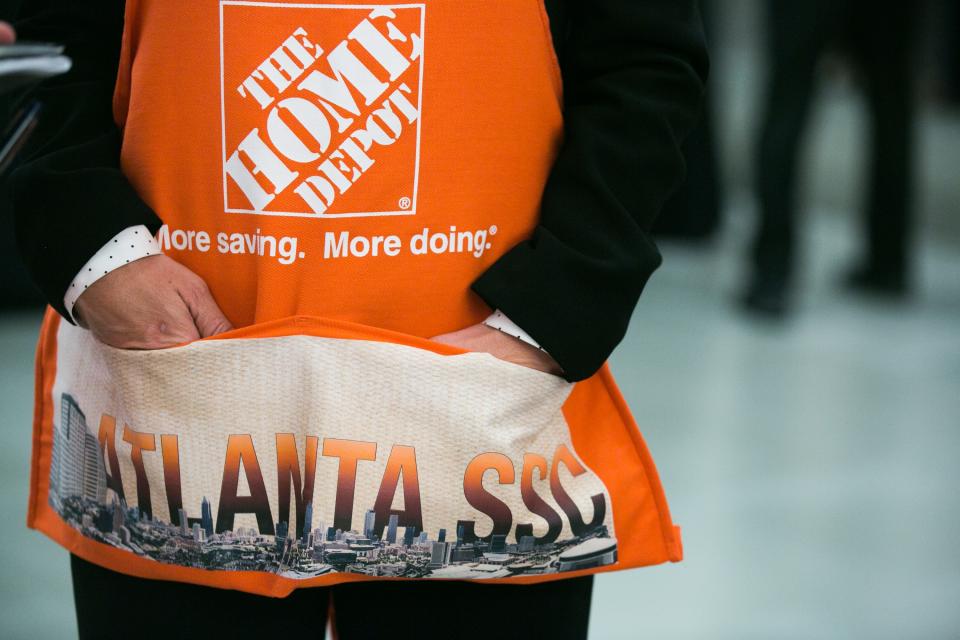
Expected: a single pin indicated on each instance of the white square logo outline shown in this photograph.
(223, 123)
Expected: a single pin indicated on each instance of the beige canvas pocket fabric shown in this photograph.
(309, 452)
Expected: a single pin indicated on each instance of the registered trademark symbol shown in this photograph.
(404, 202)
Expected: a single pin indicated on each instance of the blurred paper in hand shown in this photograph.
(24, 63)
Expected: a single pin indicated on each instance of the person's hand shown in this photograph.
(151, 303)
(480, 337)
(7, 34)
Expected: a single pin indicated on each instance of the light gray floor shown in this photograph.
(813, 466)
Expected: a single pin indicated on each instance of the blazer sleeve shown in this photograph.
(69, 194)
(634, 73)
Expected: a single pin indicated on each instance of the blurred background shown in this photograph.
(794, 365)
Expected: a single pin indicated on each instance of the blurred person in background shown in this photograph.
(878, 37)
(949, 50)
(693, 214)
(16, 290)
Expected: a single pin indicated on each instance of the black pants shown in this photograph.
(879, 39)
(113, 605)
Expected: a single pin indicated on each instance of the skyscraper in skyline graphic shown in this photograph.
(76, 464)
(369, 523)
(392, 528)
(307, 523)
(282, 529)
(206, 517)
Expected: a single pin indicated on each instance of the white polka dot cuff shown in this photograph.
(501, 322)
(127, 246)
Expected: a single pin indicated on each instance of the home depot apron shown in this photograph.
(338, 174)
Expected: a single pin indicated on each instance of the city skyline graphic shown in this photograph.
(79, 493)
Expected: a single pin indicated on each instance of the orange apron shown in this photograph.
(338, 174)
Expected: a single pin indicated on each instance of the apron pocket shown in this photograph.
(307, 447)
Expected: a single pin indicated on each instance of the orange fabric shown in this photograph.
(490, 127)
(449, 126)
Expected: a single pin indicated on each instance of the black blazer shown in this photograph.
(633, 73)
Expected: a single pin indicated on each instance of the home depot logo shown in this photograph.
(320, 108)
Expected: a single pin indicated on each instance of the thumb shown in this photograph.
(207, 316)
